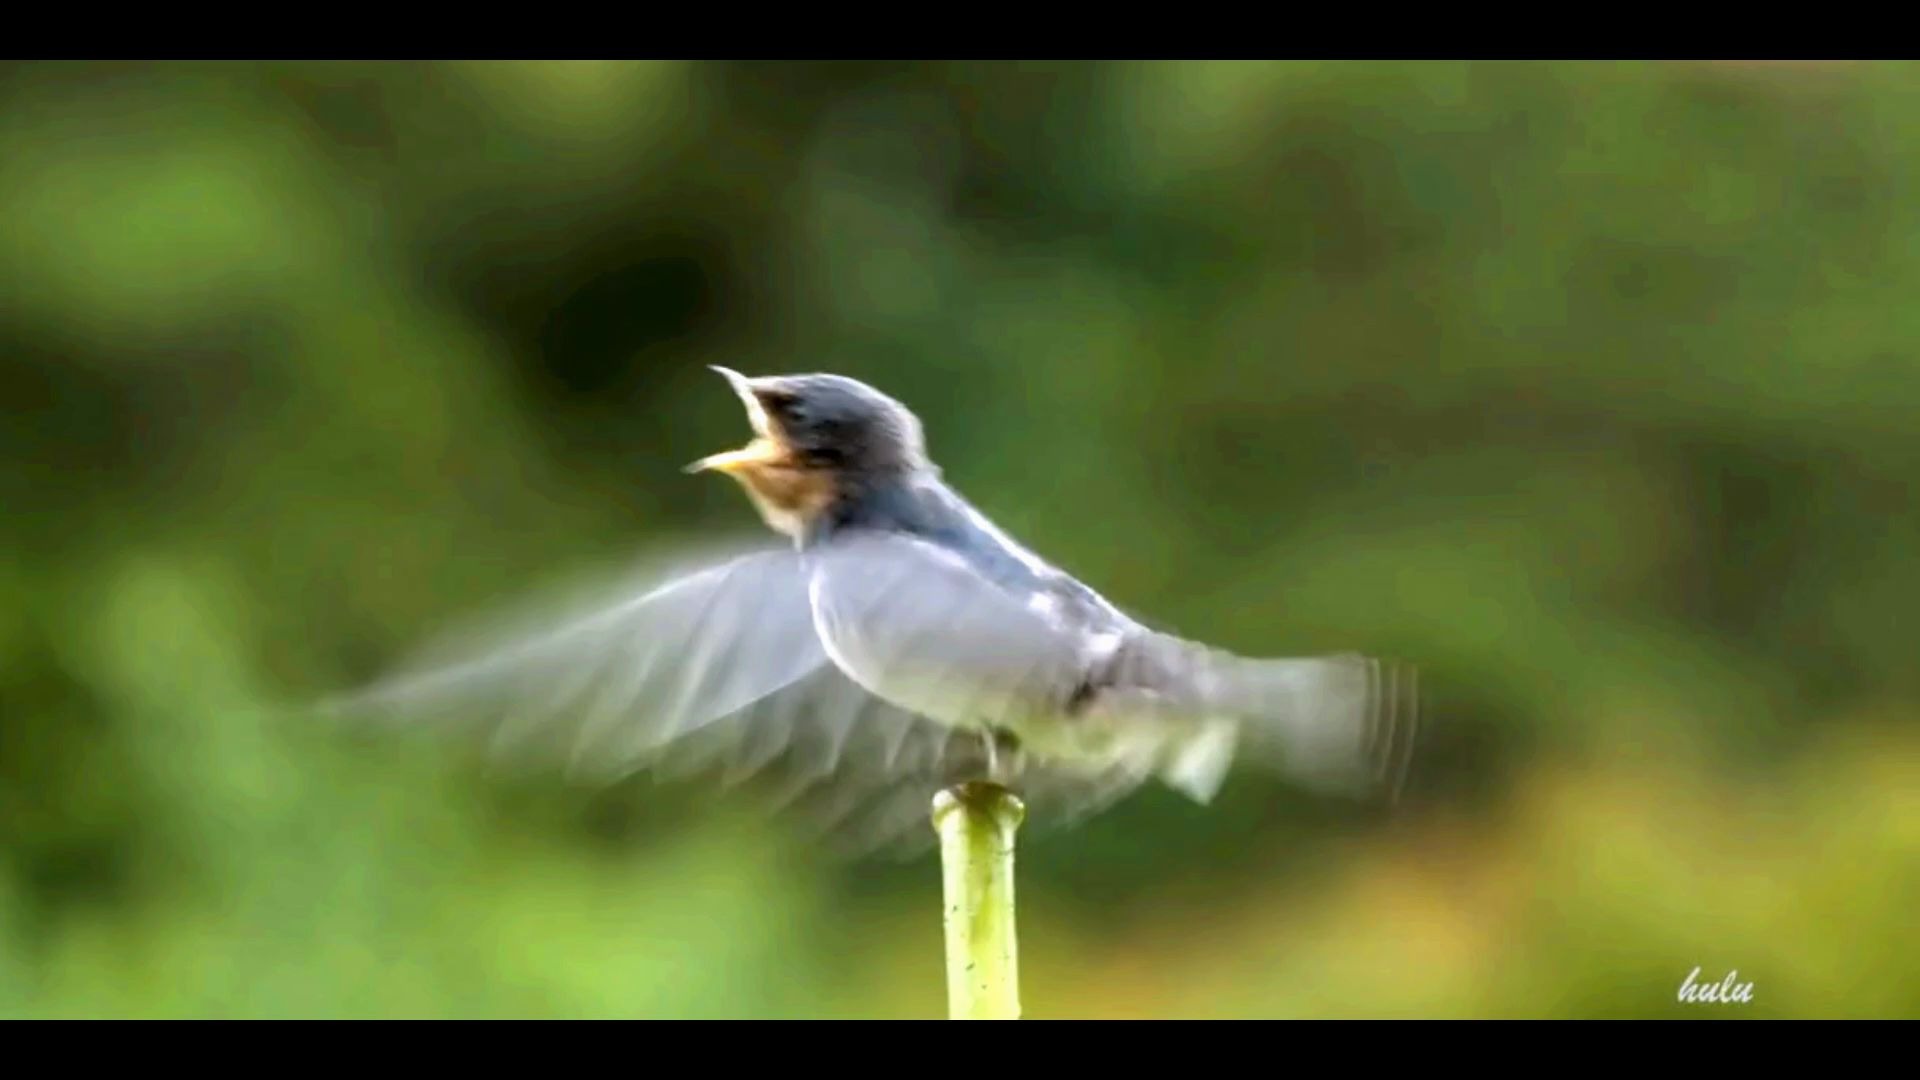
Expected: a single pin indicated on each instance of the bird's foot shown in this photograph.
(1003, 755)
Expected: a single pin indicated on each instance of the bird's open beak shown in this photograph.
(766, 448)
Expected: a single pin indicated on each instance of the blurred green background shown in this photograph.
(1591, 387)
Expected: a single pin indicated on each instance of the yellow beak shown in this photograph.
(766, 447)
(757, 452)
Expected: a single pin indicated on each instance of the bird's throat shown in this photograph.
(788, 496)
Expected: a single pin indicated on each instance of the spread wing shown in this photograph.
(711, 668)
(602, 691)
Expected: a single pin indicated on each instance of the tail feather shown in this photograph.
(1344, 724)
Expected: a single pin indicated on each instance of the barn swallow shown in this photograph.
(896, 642)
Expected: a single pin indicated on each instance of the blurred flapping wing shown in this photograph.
(711, 669)
(604, 691)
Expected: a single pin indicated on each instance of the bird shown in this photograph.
(882, 639)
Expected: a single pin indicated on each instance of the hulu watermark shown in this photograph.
(1728, 991)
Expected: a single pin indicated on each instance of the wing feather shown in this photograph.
(601, 693)
(848, 685)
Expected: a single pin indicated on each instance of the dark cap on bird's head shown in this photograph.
(814, 434)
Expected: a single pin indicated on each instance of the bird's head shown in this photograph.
(815, 436)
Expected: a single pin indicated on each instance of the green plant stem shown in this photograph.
(977, 823)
